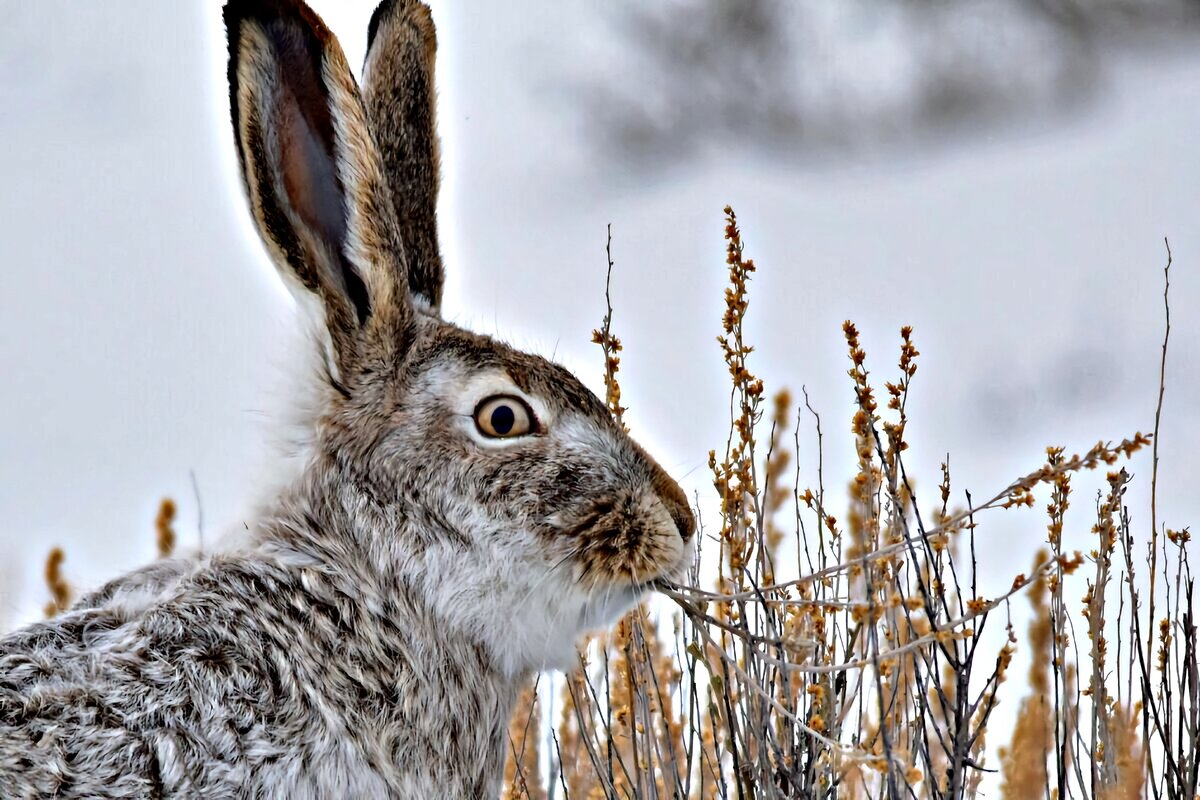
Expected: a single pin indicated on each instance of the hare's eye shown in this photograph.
(503, 417)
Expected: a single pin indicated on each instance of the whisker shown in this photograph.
(549, 574)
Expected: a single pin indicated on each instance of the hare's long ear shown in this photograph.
(313, 174)
(399, 95)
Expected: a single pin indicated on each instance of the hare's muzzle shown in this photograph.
(676, 503)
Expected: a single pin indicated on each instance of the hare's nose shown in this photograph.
(677, 505)
(684, 522)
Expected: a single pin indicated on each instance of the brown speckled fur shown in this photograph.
(366, 635)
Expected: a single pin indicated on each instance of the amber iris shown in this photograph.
(503, 417)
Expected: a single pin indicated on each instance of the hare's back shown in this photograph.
(137, 697)
(67, 718)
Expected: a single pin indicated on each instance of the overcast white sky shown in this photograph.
(143, 327)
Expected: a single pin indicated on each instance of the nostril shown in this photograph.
(672, 497)
(683, 522)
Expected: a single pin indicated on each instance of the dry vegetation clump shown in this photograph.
(828, 650)
(61, 593)
(822, 649)
(164, 528)
(60, 590)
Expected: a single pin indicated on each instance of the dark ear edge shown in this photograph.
(310, 167)
(400, 98)
(266, 13)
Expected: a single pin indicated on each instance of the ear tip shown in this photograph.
(382, 10)
(289, 28)
(393, 9)
(266, 12)
(237, 10)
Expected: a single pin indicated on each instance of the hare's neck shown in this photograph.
(424, 702)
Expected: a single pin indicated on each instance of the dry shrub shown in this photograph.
(164, 530)
(522, 774)
(61, 593)
(1023, 760)
(817, 654)
(56, 583)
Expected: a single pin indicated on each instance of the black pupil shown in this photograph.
(503, 419)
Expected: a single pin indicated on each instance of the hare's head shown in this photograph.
(489, 480)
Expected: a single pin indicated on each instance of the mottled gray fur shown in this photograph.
(367, 636)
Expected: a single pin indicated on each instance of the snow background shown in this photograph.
(144, 329)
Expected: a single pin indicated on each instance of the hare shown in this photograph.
(463, 511)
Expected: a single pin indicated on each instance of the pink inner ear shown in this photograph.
(303, 206)
(309, 175)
